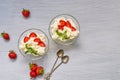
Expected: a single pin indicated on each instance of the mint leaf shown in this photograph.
(26, 45)
(30, 50)
(58, 33)
(64, 36)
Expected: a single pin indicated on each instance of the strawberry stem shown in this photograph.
(30, 65)
(2, 34)
(11, 50)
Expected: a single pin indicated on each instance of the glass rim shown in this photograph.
(66, 15)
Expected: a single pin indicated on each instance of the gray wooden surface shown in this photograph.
(94, 56)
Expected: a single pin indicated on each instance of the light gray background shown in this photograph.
(94, 56)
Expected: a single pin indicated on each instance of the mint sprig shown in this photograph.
(63, 35)
(30, 50)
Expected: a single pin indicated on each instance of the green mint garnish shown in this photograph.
(58, 33)
(63, 35)
(30, 50)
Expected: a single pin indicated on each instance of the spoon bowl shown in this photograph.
(65, 59)
(60, 53)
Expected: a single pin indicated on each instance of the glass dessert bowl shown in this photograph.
(64, 29)
(33, 44)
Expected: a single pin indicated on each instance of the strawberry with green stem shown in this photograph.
(26, 13)
(12, 54)
(5, 36)
(33, 66)
(35, 70)
(40, 70)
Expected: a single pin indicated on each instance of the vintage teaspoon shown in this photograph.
(64, 60)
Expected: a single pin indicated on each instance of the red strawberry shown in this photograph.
(62, 22)
(60, 27)
(5, 36)
(26, 39)
(37, 40)
(33, 74)
(73, 28)
(33, 34)
(25, 13)
(33, 66)
(42, 44)
(40, 70)
(12, 55)
(68, 24)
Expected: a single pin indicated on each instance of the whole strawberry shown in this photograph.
(12, 55)
(5, 36)
(26, 13)
(40, 70)
(33, 74)
(33, 66)
(35, 70)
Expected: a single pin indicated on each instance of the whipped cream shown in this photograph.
(63, 29)
(33, 45)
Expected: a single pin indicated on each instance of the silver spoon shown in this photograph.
(64, 60)
(60, 54)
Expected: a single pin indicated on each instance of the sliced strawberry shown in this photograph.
(33, 34)
(26, 39)
(37, 40)
(62, 22)
(68, 24)
(60, 27)
(73, 28)
(42, 44)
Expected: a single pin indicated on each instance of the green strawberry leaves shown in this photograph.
(42, 72)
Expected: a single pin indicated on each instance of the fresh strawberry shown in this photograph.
(37, 40)
(33, 66)
(33, 74)
(68, 24)
(60, 27)
(62, 22)
(26, 39)
(33, 34)
(5, 36)
(42, 44)
(25, 13)
(12, 55)
(73, 28)
(40, 70)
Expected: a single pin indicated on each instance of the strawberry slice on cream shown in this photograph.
(63, 29)
(34, 44)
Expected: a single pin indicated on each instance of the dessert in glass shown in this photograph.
(64, 29)
(33, 44)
